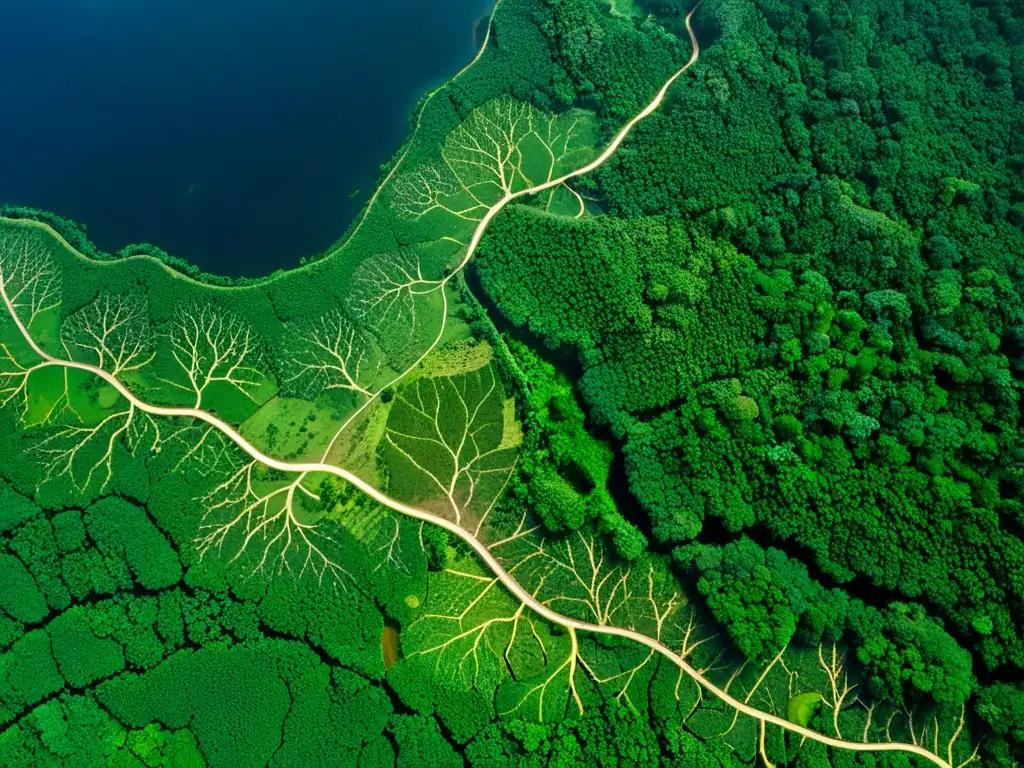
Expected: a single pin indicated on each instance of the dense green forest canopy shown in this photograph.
(801, 321)
(747, 389)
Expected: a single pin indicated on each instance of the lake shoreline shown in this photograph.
(231, 204)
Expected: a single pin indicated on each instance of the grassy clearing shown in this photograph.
(624, 7)
(56, 396)
(444, 441)
(461, 356)
(562, 202)
(224, 400)
(45, 329)
(291, 428)
(801, 708)
(357, 450)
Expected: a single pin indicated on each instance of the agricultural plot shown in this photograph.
(112, 333)
(502, 149)
(213, 359)
(475, 637)
(269, 522)
(399, 298)
(472, 635)
(355, 444)
(330, 354)
(444, 443)
(293, 428)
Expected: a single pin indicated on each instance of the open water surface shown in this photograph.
(232, 133)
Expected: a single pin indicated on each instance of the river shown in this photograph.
(237, 134)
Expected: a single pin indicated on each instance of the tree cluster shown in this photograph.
(803, 322)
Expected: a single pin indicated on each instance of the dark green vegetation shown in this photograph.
(802, 324)
(751, 391)
(115, 654)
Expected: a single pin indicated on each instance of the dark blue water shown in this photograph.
(228, 132)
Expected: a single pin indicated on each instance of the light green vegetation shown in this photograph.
(444, 442)
(292, 428)
(457, 358)
(504, 147)
(624, 7)
(800, 708)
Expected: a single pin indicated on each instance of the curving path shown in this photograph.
(479, 547)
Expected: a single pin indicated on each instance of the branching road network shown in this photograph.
(47, 360)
